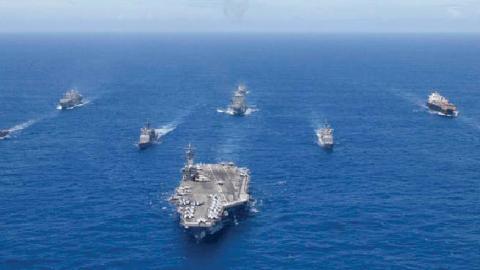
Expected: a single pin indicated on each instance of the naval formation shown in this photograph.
(212, 196)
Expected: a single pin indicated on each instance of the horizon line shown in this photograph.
(247, 32)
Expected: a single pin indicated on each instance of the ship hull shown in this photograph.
(69, 103)
(326, 146)
(211, 233)
(148, 141)
(66, 106)
(4, 134)
(144, 145)
(238, 112)
(442, 111)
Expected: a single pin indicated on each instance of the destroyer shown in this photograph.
(238, 106)
(70, 100)
(325, 136)
(4, 134)
(440, 105)
(147, 136)
(210, 196)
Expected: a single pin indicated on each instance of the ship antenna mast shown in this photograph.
(189, 155)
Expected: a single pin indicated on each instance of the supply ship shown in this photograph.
(325, 136)
(440, 105)
(210, 196)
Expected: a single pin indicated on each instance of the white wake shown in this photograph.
(22, 126)
(86, 102)
(411, 98)
(251, 110)
(164, 130)
(229, 111)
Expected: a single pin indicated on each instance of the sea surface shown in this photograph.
(400, 190)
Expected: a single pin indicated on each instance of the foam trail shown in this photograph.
(225, 111)
(27, 124)
(164, 130)
(409, 97)
(86, 102)
(253, 209)
(249, 111)
(22, 126)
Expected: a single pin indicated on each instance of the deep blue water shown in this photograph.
(400, 190)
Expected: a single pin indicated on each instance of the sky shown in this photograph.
(389, 16)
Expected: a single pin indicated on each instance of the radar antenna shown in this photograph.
(189, 171)
(189, 155)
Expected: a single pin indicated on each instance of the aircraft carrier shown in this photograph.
(210, 196)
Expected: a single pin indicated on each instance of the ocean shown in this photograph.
(400, 190)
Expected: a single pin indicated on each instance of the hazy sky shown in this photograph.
(239, 15)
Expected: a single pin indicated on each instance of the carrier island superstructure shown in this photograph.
(210, 196)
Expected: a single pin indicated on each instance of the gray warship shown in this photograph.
(4, 133)
(148, 136)
(238, 106)
(70, 100)
(210, 196)
(325, 136)
(440, 105)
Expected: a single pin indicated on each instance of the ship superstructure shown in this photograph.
(238, 105)
(70, 100)
(242, 89)
(440, 105)
(210, 196)
(325, 136)
(148, 136)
